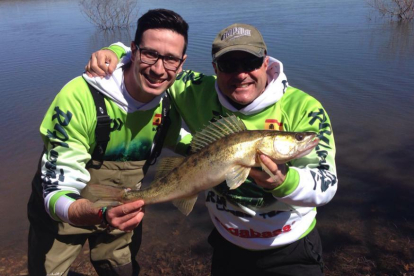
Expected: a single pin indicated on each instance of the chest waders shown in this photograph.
(53, 246)
(126, 173)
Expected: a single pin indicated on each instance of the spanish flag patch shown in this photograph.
(273, 124)
(157, 120)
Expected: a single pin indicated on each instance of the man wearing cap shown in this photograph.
(267, 225)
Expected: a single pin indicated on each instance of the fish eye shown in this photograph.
(299, 136)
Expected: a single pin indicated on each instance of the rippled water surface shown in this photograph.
(359, 66)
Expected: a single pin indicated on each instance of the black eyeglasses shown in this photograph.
(150, 57)
(243, 65)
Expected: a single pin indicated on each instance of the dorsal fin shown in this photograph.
(215, 131)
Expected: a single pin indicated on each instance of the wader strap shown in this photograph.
(161, 133)
(102, 130)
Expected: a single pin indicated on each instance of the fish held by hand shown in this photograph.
(223, 151)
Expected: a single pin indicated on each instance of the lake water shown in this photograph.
(360, 66)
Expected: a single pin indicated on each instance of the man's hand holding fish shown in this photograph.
(265, 180)
(125, 217)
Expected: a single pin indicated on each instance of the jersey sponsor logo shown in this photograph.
(251, 233)
(58, 137)
(273, 124)
(116, 124)
(271, 214)
(325, 178)
(50, 179)
(220, 202)
(156, 121)
(59, 133)
(190, 76)
(324, 126)
(221, 205)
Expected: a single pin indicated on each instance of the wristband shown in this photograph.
(102, 216)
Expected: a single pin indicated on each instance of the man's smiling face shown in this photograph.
(241, 86)
(145, 82)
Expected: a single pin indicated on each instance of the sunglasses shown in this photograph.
(242, 65)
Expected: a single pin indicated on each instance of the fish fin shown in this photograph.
(166, 164)
(236, 176)
(106, 203)
(266, 169)
(215, 131)
(185, 205)
(106, 192)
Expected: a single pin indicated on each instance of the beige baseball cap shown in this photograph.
(239, 37)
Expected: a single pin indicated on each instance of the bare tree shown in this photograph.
(110, 14)
(402, 10)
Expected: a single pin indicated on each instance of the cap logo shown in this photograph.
(236, 32)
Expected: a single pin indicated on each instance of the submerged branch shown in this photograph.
(402, 10)
(110, 14)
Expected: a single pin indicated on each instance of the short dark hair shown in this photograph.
(162, 19)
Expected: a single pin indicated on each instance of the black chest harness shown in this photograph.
(103, 130)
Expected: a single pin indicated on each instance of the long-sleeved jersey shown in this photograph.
(68, 132)
(252, 217)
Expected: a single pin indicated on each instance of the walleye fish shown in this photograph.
(224, 151)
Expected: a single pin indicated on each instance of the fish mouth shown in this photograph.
(308, 148)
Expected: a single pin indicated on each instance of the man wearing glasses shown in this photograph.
(267, 225)
(103, 131)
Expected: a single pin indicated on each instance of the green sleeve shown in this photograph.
(67, 132)
(301, 112)
(117, 49)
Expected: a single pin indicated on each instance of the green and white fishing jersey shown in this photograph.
(252, 217)
(68, 132)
